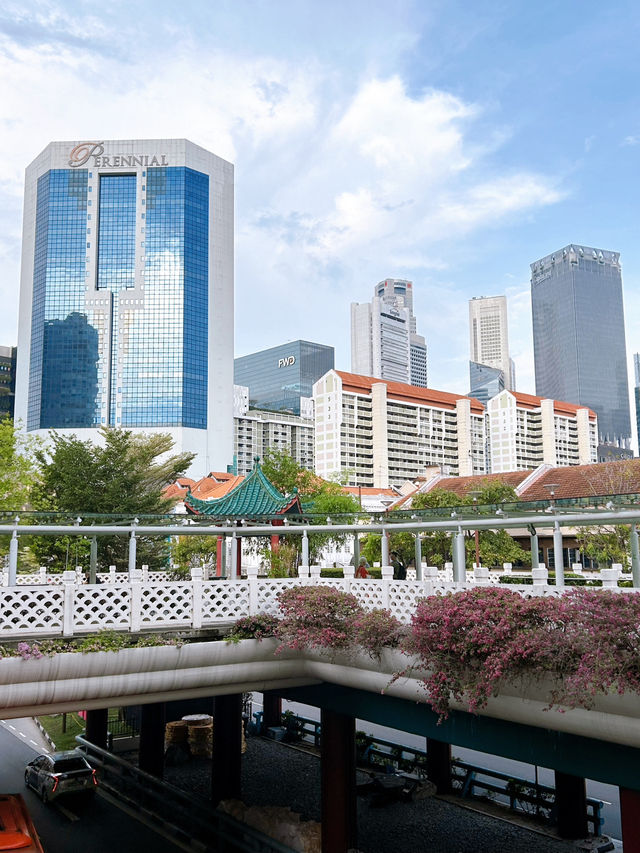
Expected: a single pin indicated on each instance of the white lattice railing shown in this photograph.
(70, 608)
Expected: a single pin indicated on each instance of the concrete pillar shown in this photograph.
(151, 751)
(93, 560)
(558, 557)
(534, 548)
(356, 550)
(418, 546)
(226, 770)
(233, 568)
(384, 549)
(305, 549)
(630, 815)
(439, 765)
(220, 556)
(459, 558)
(13, 559)
(132, 551)
(571, 805)
(635, 556)
(96, 727)
(338, 775)
(272, 708)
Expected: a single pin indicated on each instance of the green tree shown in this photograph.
(437, 544)
(605, 544)
(18, 473)
(194, 551)
(285, 473)
(126, 475)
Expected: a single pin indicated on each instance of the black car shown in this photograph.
(60, 773)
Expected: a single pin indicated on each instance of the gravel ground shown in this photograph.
(274, 774)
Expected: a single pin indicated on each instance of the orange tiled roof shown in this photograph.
(410, 393)
(530, 401)
(462, 485)
(369, 490)
(209, 488)
(580, 481)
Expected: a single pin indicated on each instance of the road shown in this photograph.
(73, 825)
(609, 794)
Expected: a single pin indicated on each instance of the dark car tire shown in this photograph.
(26, 778)
(44, 796)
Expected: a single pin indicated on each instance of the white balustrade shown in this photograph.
(126, 603)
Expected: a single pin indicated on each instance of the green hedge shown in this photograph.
(338, 573)
(570, 579)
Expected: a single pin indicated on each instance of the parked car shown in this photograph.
(17, 831)
(60, 773)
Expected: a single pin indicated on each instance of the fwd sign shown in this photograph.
(285, 362)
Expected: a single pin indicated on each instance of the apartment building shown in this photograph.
(526, 431)
(256, 431)
(381, 433)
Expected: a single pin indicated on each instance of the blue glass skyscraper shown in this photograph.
(579, 337)
(126, 311)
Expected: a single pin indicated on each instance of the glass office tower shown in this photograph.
(126, 307)
(578, 336)
(277, 378)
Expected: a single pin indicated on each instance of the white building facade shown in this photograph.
(126, 295)
(256, 431)
(526, 431)
(381, 434)
(384, 340)
(489, 335)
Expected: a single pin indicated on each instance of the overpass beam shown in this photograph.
(226, 768)
(571, 805)
(96, 727)
(151, 753)
(630, 815)
(439, 765)
(338, 773)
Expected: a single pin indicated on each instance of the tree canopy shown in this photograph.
(17, 467)
(125, 474)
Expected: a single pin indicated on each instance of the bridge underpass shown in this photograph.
(601, 744)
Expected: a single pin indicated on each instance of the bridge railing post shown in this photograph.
(387, 577)
(43, 574)
(348, 573)
(135, 579)
(252, 578)
(196, 597)
(68, 583)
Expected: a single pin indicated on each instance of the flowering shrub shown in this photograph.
(253, 628)
(319, 616)
(377, 629)
(587, 642)
(26, 652)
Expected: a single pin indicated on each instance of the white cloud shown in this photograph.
(340, 182)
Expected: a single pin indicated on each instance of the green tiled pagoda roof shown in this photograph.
(255, 496)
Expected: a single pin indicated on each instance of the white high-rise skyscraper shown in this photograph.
(126, 295)
(489, 335)
(384, 341)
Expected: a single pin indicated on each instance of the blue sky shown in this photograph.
(451, 143)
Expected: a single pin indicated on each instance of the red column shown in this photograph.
(226, 767)
(272, 708)
(239, 556)
(571, 805)
(630, 814)
(338, 773)
(219, 547)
